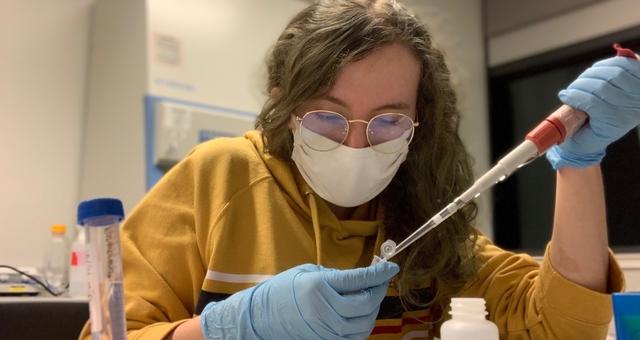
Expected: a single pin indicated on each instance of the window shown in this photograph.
(523, 93)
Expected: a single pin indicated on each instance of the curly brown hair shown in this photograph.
(303, 64)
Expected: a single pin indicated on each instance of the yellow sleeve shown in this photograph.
(162, 261)
(531, 301)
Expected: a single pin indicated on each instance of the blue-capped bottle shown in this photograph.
(101, 217)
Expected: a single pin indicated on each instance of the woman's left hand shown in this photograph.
(609, 92)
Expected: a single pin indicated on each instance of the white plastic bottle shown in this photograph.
(78, 275)
(56, 269)
(468, 321)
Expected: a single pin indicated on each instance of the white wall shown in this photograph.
(222, 48)
(457, 30)
(43, 59)
(113, 145)
(580, 25)
(509, 15)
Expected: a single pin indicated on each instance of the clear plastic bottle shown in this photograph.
(78, 275)
(101, 218)
(56, 269)
(468, 321)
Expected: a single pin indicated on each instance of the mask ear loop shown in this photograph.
(293, 127)
(293, 123)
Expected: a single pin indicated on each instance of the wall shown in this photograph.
(457, 30)
(113, 148)
(582, 24)
(507, 15)
(43, 62)
(221, 49)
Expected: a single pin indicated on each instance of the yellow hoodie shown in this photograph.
(230, 215)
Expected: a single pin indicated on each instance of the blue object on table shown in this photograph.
(626, 311)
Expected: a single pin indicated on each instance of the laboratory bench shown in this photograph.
(42, 317)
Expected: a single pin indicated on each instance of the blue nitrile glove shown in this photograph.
(304, 302)
(609, 93)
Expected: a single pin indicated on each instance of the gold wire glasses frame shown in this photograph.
(347, 123)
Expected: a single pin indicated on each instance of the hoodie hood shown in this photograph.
(329, 231)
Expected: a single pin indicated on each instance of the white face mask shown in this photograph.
(345, 176)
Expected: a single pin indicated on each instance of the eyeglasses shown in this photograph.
(326, 130)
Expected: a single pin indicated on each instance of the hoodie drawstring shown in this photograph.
(313, 206)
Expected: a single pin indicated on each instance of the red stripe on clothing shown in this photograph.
(398, 328)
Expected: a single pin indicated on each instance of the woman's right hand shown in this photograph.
(307, 301)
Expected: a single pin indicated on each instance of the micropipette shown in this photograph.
(562, 123)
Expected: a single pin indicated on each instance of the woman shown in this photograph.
(271, 235)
